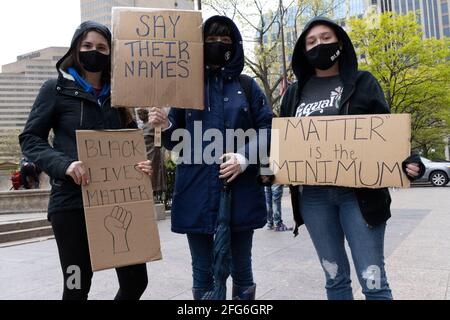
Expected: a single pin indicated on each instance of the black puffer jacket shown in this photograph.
(362, 94)
(62, 105)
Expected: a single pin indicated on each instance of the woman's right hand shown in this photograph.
(158, 118)
(77, 171)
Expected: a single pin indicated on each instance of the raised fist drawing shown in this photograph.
(117, 224)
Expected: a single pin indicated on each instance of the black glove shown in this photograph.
(414, 158)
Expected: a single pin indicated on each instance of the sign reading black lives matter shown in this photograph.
(157, 58)
(118, 202)
(364, 151)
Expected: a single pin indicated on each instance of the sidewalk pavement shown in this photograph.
(285, 268)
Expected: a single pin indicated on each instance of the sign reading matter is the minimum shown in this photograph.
(363, 151)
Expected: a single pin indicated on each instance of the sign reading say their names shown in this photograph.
(157, 58)
(362, 151)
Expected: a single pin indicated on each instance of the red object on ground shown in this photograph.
(15, 179)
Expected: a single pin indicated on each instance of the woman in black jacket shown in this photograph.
(325, 64)
(78, 100)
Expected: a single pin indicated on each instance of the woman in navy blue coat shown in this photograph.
(198, 181)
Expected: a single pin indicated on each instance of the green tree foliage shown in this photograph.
(260, 24)
(412, 71)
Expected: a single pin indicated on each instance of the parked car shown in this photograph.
(437, 172)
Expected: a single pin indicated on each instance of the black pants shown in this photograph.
(71, 237)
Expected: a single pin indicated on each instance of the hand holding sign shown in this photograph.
(158, 118)
(413, 170)
(146, 167)
(78, 173)
(117, 224)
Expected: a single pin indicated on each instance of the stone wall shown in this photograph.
(24, 201)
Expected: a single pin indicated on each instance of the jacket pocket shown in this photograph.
(190, 180)
(181, 179)
(57, 183)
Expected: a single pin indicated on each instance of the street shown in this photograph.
(417, 258)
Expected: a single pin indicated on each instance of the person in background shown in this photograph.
(274, 194)
(154, 154)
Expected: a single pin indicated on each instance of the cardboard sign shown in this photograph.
(157, 58)
(364, 151)
(118, 202)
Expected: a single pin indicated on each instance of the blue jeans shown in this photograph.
(273, 204)
(201, 246)
(331, 215)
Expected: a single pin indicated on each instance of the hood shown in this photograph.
(85, 26)
(236, 65)
(348, 63)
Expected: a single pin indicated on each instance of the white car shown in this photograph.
(438, 173)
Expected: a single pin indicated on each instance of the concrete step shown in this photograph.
(23, 225)
(26, 241)
(18, 235)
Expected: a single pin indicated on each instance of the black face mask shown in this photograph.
(324, 56)
(218, 53)
(93, 61)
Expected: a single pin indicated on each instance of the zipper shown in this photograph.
(108, 98)
(207, 92)
(104, 115)
(82, 111)
(347, 101)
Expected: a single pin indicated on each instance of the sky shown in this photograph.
(30, 25)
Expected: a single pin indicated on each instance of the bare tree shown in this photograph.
(263, 24)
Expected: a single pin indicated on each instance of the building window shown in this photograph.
(447, 32)
(445, 20)
(403, 4)
(444, 7)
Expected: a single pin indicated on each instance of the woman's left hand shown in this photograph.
(231, 168)
(146, 167)
(413, 169)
